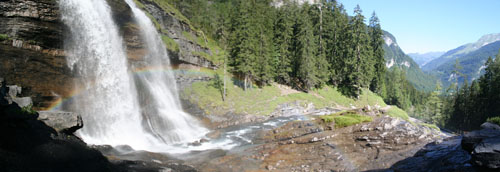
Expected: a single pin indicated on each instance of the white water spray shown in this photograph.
(144, 113)
(165, 119)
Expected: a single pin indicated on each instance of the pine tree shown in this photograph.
(305, 51)
(244, 42)
(283, 43)
(376, 41)
(264, 14)
(359, 62)
(435, 105)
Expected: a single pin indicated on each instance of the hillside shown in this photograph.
(473, 64)
(471, 57)
(460, 51)
(396, 58)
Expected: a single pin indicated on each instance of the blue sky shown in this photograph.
(432, 25)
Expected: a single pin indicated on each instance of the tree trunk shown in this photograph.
(224, 92)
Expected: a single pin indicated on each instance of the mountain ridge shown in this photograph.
(461, 50)
(423, 58)
(396, 57)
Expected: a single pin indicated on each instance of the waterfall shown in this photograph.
(163, 113)
(118, 108)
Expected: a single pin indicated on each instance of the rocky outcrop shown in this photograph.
(313, 145)
(32, 45)
(32, 52)
(62, 122)
(484, 145)
(10, 94)
(474, 151)
(28, 144)
(173, 28)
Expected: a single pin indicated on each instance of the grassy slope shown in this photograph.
(263, 101)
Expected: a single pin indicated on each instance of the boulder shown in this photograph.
(484, 145)
(62, 122)
(471, 139)
(489, 125)
(23, 101)
(487, 153)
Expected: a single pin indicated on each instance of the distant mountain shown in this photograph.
(396, 58)
(472, 63)
(425, 58)
(461, 51)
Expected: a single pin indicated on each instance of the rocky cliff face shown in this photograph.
(171, 27)
(32, 45)
(32, 49)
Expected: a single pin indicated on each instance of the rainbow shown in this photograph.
(60, 101)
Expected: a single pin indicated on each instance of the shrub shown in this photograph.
(494, 120)
(3, 37)
(28, 109)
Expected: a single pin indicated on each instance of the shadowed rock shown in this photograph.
(62, 122)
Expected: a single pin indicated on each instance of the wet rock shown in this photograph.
(174, 28)
(63, 122)
(295, 129)
(487, 153)
(471, 139)
(446, 156)
(28, 144)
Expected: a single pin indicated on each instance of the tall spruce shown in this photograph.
(306, 50)
(376, 42)
(359, 61)
(283, 38)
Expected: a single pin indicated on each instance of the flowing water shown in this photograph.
(142, 111)
(160, 103)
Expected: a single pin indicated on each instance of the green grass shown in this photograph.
(3, 37)
(345, 119)
(167, 7)
(430, 126)
(398, 113)
(265, 100)
(170, 43)
(217, 54)
(494, 120)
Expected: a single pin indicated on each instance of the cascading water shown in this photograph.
(163, 112)
(144, 113)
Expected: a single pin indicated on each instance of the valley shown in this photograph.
(209, 85)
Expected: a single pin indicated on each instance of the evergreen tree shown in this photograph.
(376, 42)
(283, 29)
(359, 61)
(306, 49)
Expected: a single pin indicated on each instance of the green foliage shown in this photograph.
(28, 110)
(167, 7)
(218, 84)
(473, 105)
(4, 37)
(170, 43)
(469, 64)
(494, 120)
(345, 119)
(216, 56)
